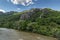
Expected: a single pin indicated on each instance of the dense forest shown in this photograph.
(42, 21)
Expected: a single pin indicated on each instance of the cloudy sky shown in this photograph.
(20, 5)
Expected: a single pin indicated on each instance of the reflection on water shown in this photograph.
(9, 34)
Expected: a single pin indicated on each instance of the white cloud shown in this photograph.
(18, 9)
(2, 10)
(22, 2)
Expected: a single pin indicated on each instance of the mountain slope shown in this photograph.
(43, 21)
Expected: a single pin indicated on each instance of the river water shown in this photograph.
(10, 34)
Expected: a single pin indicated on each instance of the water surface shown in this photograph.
(10, 34)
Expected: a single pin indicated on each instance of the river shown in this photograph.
(10, 34)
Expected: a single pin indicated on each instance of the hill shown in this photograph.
(42, 21)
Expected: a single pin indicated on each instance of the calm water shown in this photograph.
(10, 34)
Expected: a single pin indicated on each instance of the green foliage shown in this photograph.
(43, 21)
(57, 34)
(33, 27)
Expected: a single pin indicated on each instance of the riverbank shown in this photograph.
(34, 36)
(10, 34)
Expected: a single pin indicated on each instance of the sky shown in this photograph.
(21, 5)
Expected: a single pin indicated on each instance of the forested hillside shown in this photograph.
(42, 21)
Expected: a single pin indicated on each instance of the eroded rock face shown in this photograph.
(33, 13)
(24, 16)
(29, 14)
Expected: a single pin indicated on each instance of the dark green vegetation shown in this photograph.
(43, 21)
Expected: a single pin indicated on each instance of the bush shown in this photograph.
(57, 35)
